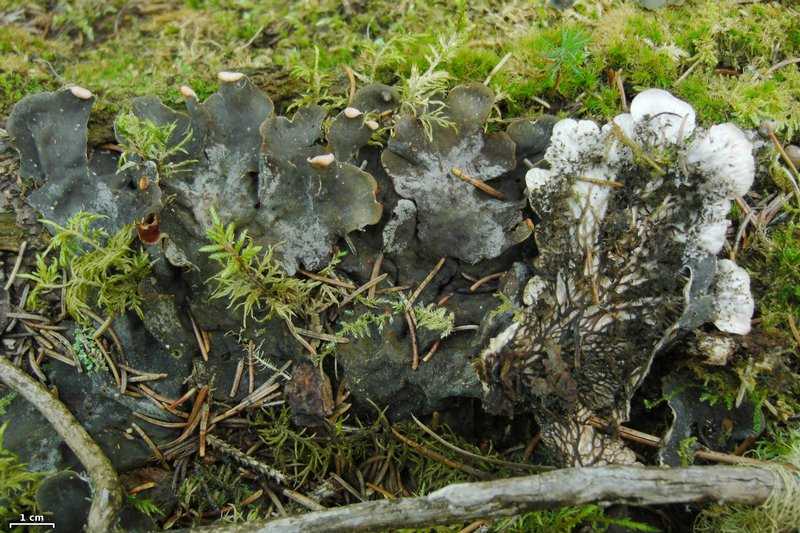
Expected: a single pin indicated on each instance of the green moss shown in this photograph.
(5, 401)
(24, 66)
(656, 49)
(17, 485)
(567, 519)
(781, 511)
(94, 269)
(776, 269)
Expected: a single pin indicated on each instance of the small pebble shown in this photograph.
(794, 154)
(187, 92)
(80, 92)
(371, 124)
(230, 77)
(322, 161)
(352, 112)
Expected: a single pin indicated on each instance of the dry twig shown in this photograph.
(465, 502)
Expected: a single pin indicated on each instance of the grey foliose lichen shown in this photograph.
(240, 159)
(452, 214)
(308, 185)
(632, 215)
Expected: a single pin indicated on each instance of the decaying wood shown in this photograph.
(107, 492)
(507, 497)
(10, 233)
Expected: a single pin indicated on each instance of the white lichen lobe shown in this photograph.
(725, 156)
(734, 303)
(662, 119)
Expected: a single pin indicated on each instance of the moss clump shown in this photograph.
(185, 43)
(781, 511)
(95, 269)
(17, 485)
(255, 282)
(144, 140)
(715, 55)
(778, 268)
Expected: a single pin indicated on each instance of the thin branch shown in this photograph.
(466, 502)
(782, 64)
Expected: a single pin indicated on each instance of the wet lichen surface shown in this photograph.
(267, 251)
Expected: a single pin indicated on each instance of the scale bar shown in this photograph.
(42, 524)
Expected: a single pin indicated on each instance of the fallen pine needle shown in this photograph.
(381, 490)
(327, 281)
(365, 287)
(441, 458)
(151, 445)
(376, 268)
(17, 264)
(303, 500)
(478, 184)
(199, 337)
(237, 378)
(606, 183)
(424, 283)
(144, 486)
(432, 350)
(414, 348)
(484, 280)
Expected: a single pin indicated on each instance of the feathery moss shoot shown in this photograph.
(95, 269)
(17, 485)
(254, 282)
(144, 140)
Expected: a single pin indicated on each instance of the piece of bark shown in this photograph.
(10, 232)
(107, 492)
